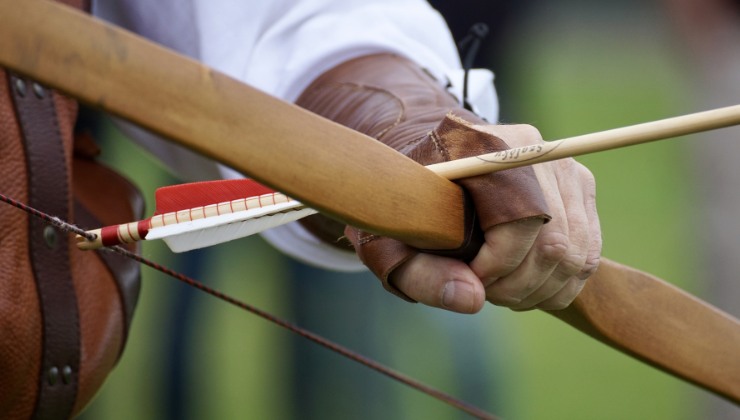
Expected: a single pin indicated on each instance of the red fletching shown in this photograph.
(197, 194)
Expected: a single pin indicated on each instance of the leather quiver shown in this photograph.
(64, 313)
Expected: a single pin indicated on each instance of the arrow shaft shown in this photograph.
(590, 143)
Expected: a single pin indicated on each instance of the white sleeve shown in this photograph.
(315, 36)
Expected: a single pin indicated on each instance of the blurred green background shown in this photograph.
(568, 69)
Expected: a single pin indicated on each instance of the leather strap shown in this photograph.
(49, 191)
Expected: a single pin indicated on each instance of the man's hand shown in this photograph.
(523, 264)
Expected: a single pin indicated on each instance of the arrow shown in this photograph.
(187, 218)
(200, 214)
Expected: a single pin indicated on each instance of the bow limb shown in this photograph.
(235, 124)
(660, 324)
(282, 146)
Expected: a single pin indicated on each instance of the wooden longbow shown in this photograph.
(329, 169)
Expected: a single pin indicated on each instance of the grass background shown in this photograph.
(570, 71)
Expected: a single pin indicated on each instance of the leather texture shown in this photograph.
(35, 383)
(20, 314)
(48, 186)
(395, 101)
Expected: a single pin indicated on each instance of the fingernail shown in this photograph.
(457, 292)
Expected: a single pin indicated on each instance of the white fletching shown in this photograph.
(214, 230)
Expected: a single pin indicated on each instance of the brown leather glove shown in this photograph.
(395, 101)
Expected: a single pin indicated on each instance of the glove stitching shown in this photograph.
(439, 145)
(365, 238)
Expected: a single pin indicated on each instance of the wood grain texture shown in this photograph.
(224, 119)
(660, 324)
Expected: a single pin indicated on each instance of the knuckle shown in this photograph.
(530, 130)
(519, 135)
(531, 134)
(572, 264)
(590, 267)
(553, 247)
(588, 180)
(580, 171)
(585, 173)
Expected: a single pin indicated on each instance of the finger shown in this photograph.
(507, 244)
(543, 254)
(505, 248)
(535, 272)
(570, 184)
(563, 298)
(594, 227)
(518, 135)
(440, 282)
(582, 259)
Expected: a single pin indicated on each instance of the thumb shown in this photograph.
(440, 282)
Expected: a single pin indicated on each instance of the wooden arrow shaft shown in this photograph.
(589, 143)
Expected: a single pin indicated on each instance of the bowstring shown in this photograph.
(326, 343)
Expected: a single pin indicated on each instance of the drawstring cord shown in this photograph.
(468, 48)
(343, 351)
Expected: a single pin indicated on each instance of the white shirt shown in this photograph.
(280, 47)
